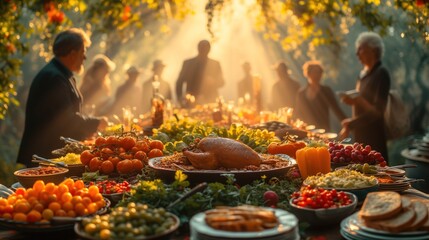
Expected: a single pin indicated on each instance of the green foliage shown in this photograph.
(177, 135)
(159, 194)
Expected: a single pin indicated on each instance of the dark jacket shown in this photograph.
(316, 111)
(53, 110)
(203, 78)
(368, 126)
(283, 94)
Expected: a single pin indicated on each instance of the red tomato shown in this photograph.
(140, 155)
(155, 153)
(107, 167)
(156, 144)
(94, 164)
(137, 165)
(100, 141)
(127, 142)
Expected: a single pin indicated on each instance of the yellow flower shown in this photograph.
(263, 177)
(180, 176)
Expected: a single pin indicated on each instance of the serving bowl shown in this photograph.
(27, 176)
(324, 216)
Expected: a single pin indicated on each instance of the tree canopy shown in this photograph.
(294, 23)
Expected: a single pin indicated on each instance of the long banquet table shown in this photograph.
(311, 233)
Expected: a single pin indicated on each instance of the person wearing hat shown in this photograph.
(127, 95)
(164, 88)
(54, 102)
(95, 86)
(284, 90)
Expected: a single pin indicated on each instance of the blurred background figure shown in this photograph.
(314, 101)
(148, 86)
(373, 85)
(127, 95)
(95, 86)
(201, 75)
(284, 90)
(250, 85)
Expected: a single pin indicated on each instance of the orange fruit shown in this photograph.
(21, 192)
(93, 190)
(66, 197)
(76, 199)
(20, 217)
(7, 216)
(54, 206)
(22, 206)
(60, 213)
(39, 185)
(80, 209)
(67, 206)
(92, 208)
(47, 214)
(38, 207)
(3, 202)
(79, 184)
(71, 213)
(34, 216)
(86, 201)
(50, 187)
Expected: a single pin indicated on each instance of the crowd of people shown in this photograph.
(56, 106)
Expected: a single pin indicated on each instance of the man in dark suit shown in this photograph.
(201, 75)
(54, 102)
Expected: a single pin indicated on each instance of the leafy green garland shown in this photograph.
(157, 194)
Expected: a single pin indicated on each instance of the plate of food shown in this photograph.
(271, 166)
(255, 223)
(65, 223)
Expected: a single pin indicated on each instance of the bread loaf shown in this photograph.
(380, 205)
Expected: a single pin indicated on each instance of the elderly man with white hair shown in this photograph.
(373, 85)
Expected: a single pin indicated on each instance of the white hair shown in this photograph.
(372, 40)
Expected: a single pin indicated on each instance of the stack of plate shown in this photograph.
(422, 147)
(286, 230)
(395, 186)
(353, 229)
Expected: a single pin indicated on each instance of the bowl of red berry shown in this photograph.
(113, 190)
(322, 207)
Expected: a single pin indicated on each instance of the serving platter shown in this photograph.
(287, 229)
(242, 177)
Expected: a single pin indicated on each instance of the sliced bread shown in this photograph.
(380, 205)
(421, 215)
(395, 224)
(425, 225)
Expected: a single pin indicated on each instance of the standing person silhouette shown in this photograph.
(373, 85)
(95, 86)
(284, 90)
(54, 102)
(201, 75)
(314, 101)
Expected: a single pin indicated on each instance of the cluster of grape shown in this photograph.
(356, 153)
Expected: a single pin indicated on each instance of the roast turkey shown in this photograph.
(215, 152)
